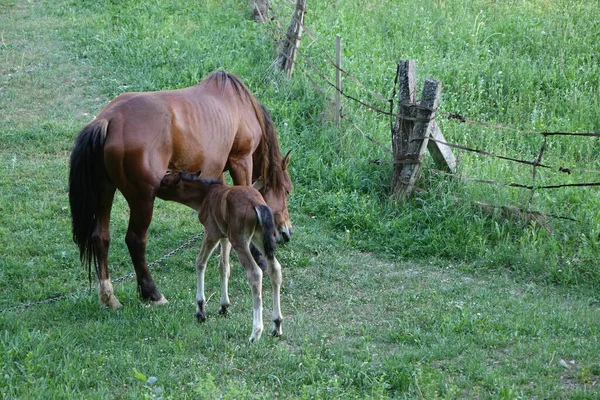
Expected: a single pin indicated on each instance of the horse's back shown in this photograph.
(199, 128)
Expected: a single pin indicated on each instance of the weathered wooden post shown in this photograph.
(419, 138)
(414, 126)
(405, 118)
(260, 8)
(291, 44)
(338, 79)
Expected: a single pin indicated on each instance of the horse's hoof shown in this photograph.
(160, 302)
(111, 303)
(200, 316)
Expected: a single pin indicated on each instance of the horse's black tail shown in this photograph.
(267, 222)
(86, 165)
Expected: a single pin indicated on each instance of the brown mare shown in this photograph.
(239, 214)
(215, 126)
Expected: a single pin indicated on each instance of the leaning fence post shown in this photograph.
(419, 137)
(405, 118)
(292, 41)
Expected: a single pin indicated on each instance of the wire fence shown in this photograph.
(386, 108)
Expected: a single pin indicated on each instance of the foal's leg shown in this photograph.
(241, 174)
(101, 239)
(254, 276)
(274, 272)
(224, 272)
(208, 245)
(136, 238)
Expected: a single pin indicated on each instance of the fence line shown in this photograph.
(537, 163)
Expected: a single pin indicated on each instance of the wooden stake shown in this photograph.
(338, 79)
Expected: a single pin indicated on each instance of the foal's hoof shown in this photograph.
(200, 316)
(224, 311)
(255, 337)
(277, 328)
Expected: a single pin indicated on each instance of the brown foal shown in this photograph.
(235, 216)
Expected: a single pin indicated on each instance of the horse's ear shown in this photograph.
(259, 184)
(286, 160)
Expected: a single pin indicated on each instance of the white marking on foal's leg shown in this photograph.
(200, 299)
(224, 273)
(254, 276)
(274, 271)
(107, 295)
(255, 280)
(208, 245)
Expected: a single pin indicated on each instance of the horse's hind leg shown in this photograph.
(136, 239)
(224, 272)
(101, 239)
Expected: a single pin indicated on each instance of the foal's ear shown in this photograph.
(286, 160)
(170, 179)
(259, 184)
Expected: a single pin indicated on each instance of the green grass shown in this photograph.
(428, 299)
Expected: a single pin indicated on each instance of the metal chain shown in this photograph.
(120, 279)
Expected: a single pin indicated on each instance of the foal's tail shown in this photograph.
(266, 221)
(86, 166)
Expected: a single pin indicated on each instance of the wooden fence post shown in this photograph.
(259, 10)
(292, 42)
(338, 79)
(419, 138)
(414, 126)
(403, 126)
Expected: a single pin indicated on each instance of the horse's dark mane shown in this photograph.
(271, 163)
(272, 160)
(222, 78)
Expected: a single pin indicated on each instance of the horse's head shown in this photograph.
(277, 200)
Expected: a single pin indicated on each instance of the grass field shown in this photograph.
(428, 299)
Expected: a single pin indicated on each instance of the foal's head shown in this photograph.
(186, 188)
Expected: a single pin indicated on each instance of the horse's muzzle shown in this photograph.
(285, 235)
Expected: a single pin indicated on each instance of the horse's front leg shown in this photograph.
(274, 272)
(224, 272)
(254, 276)
(136, 237)
(208, 245)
